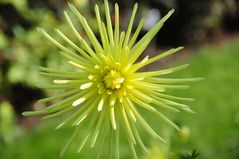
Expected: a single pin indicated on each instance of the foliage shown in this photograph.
(21, 45)
(197, 20)
(9, 128)
(193, 155)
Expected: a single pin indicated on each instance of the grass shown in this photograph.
(213, 129)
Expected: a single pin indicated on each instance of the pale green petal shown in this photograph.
(69, 141)
(73, 45)
(59, 113)
(66, 51)
(172, 81)
(116, 31)
(126, 124)
(134, 37)
(145, 125)
(159, 73)
(143, 43)
(156, 58)
(76, 75)
(103, 34)
(128, 33)
(98, 127)
(82, 41)
(108, 20)
(60, 95)
(88, 30)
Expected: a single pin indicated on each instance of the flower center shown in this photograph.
(113, 79)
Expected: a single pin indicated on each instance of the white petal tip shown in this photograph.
(90, 77)
(60, 81)
(100, 105)
(85, 85)
(97, 67)
(78, 101)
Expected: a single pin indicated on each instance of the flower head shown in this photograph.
(108, 88)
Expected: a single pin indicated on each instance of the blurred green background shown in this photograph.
(207, 28)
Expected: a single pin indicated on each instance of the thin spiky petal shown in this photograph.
(108, 20)
(134, 37)
(130, 25)
(143, 43)
(116, 31)
(69, 142)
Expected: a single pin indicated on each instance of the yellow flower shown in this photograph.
(108, 87)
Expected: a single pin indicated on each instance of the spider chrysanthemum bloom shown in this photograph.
(107, 89)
